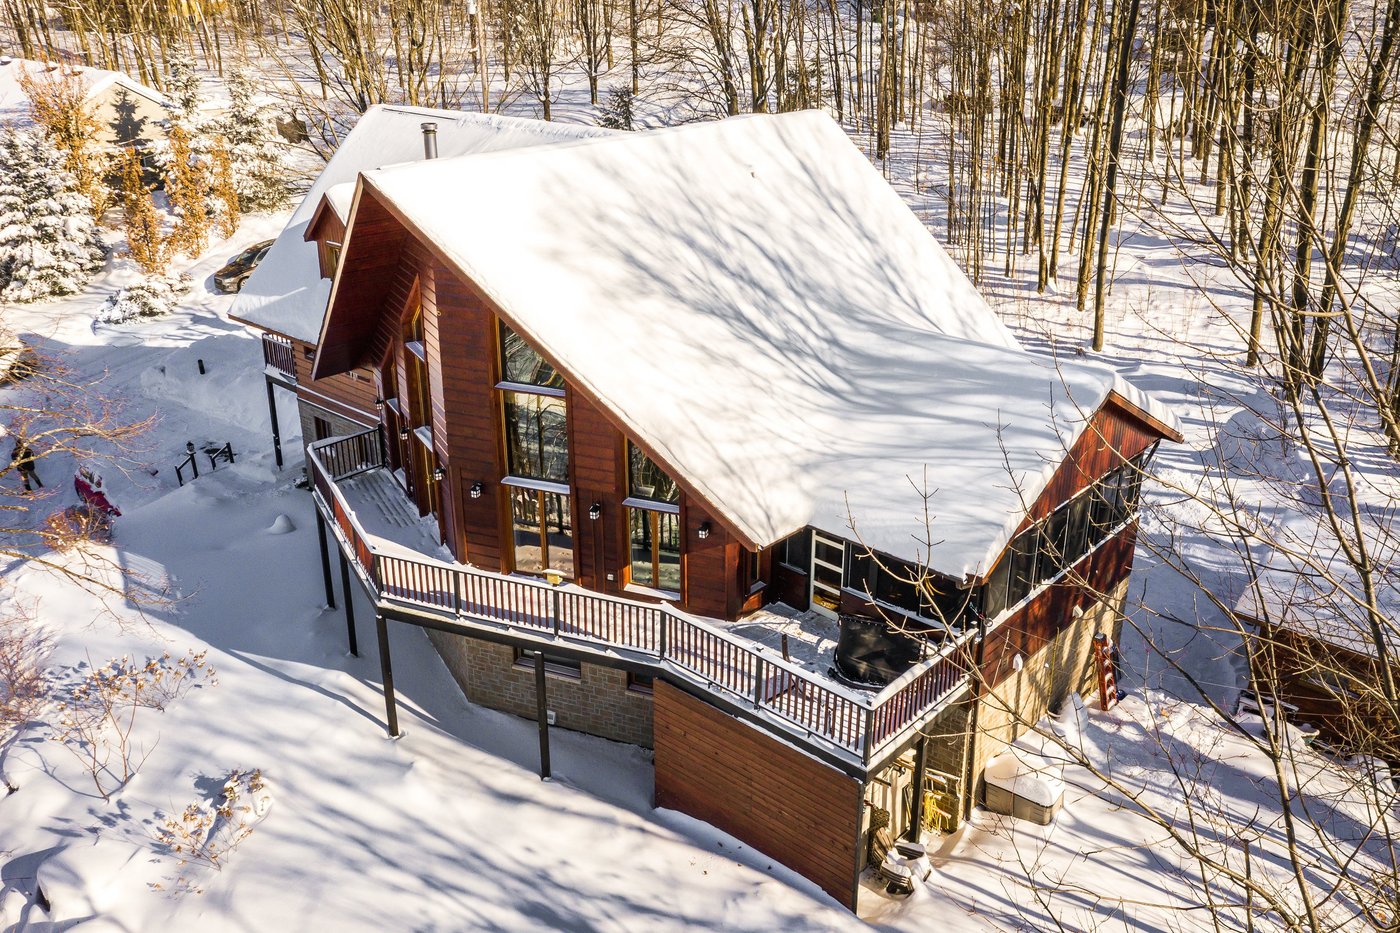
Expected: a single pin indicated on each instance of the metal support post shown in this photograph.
(325, 559)
(916, 809)
(386, 670)
(542, 714)
(349, 603)
(276, 432)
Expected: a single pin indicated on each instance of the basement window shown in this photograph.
(553, 663)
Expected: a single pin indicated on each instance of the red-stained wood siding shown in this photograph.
(1051, 610)
(368, 263)
(1111, 437)
(1336, 689)
(349, 394)
(783, 803)
(599, 475)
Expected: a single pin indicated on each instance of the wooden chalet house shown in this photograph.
(643, 387)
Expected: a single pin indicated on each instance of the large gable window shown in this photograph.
(653, 524)
(522, 365)
(536, 421)
(537, 436)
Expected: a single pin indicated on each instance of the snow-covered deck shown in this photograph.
(397, 555)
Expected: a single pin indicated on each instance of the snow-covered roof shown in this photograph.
(765, 314)
(1306, 584)
(14, 103)
(286, 293)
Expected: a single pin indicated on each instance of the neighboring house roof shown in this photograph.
(765, 315)
(14, 103)
(1306, 584)
(286, 293)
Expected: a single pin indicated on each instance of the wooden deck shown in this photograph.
(398, 556)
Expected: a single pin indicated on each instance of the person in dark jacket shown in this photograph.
(22, 458)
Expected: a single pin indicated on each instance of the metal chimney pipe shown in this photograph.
(429, 140)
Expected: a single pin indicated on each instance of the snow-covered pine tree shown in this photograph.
(49, 244)
(259, 156)
(182, 89)
(140, 221)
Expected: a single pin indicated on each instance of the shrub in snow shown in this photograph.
(151, 297)
(16, 362)
(97, 719)
(207, 832)
(258, 155)
(48, 241)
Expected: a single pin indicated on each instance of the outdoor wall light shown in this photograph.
(704, 531)
(439, 474)
(595, 511)
(403, 434)
(476, 490)
(379, 401)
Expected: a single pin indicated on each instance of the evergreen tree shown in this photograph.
(187, 186)
(258, 155)
(183, 91)
(48, 241)
(140, 220)
(223, 194)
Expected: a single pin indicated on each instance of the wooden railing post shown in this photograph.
(758, 682)
(867, 743)
(554, 608)
(663, 638)
(457, 577)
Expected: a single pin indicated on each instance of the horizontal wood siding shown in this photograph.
(466, 415)
(788, 806)
(369, 259)
(1051, 610)
(350, 393)
(1334, 688)
(711, 565)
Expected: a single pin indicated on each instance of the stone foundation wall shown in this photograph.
(597, 701)
(1045, 679)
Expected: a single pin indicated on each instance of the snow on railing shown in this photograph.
(851, 720)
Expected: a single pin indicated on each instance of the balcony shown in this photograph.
(279, 358)
(354, 491)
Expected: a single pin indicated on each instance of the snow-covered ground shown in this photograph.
(449, 827)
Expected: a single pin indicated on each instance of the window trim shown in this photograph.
(529, 388)
(553, 665)
(652, 588)
(543, 485)
(652, 505)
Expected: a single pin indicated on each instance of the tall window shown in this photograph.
(543, 531)
(653, 524)
(537, 457)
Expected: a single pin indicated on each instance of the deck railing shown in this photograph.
(856, 723)
(279, 353)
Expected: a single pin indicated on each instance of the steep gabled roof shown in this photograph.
(14, 103)
(286, 293)
(759, 309)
